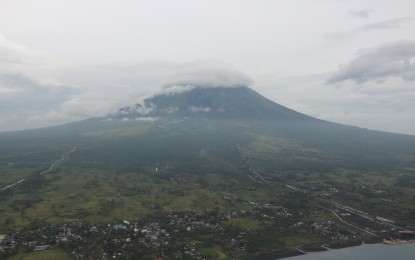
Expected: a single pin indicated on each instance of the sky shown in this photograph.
(346, 61)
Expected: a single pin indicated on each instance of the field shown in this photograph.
(99, 196)
(54, 254)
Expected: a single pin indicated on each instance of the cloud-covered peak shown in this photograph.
(207, 73)
(389, 60)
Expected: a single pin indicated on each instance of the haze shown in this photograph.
(350, 62)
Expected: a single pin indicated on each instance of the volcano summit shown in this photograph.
(232, 103)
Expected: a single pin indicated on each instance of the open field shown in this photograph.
(99, 196)
(54, 254)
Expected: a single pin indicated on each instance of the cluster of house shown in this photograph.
(121, 238)
(116, 240)
(7, 244)
(272, 209)
(195, 221)
(42, 237)
(328, 230)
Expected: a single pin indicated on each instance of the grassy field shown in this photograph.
(216, 252)
(11, 174)
(246, 223)
(100, 196)
(268, 148)
(54, 254)
(128, 129)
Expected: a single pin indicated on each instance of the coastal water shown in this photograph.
(364, 252)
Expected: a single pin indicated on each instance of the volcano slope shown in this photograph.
(224, 172)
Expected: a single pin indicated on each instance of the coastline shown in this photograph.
(279, 254)
(397, 241)
(365, 251)
(303, 250)
(316, 248)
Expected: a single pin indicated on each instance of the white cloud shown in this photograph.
(207, 73)
(49, 118)
(386, 106)
(146, 119)
(381, 26)
(176, 89)
(200, 109)
(42, 92)
(24, 96)
(83, 109)
(11, 52)
(388, 24)
(76, 91)
(377, 64)
(361, 13)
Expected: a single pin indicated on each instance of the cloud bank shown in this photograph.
(378, 64)
(34, 94)
(388, 24)
(37, 91)
(361, 13)
(207, 73)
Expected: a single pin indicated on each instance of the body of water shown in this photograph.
(364, 252)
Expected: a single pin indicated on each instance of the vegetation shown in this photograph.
(43, 255)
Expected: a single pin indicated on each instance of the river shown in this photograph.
(364, 252)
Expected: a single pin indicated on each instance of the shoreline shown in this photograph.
(392, 242)
(316, 248)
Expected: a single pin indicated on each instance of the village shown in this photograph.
(172, 234)
(243, 226)
(124, 238)
(176, 234)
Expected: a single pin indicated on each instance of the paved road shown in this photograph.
(361, 214)
(347, 223)
(257, 177)
(12, 185)
(65, 156)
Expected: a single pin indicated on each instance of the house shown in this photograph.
(41, 248)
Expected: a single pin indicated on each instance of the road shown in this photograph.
(65, 156)
(12, 185)
(254, 175)
(258, 178)
(361, 214)
(347, 223)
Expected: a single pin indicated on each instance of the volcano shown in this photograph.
(186, 161)
(181, 127)
(233, 103)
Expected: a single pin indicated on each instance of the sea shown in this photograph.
(364, 252)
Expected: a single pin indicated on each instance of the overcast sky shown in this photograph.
(346, 61)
